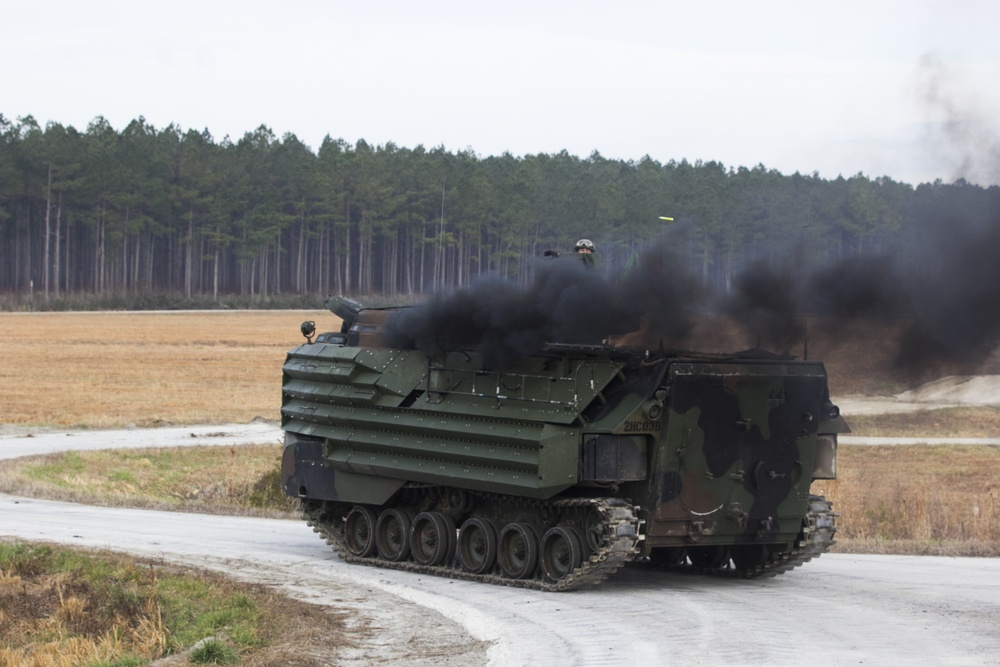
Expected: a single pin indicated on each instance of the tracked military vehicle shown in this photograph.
(557, 470)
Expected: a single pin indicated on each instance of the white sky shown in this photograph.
(834, 87)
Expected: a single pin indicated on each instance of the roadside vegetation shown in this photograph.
(924, 499)
(61, 607)
(241, 480)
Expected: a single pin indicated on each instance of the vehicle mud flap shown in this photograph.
(304, 472)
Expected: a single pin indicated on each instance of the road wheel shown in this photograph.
(477, 545)
(562, 552)
(392, 534)
(359, 531)
(517, 550)
(432, 538)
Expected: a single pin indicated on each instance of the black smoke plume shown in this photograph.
(939, 285)
(954, 300)
(566, 302)
(938, 289)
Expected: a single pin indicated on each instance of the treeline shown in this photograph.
(165, 210)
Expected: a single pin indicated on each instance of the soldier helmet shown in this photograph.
(585, 244)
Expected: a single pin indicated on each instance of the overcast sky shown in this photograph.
(908, 89)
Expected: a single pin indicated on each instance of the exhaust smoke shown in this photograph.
(937, 291)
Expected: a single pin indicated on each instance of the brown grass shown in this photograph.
(941, 499)
(56, 620)
(111, 369)
(965, 422)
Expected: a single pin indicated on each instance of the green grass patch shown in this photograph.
(214, 652)
(230, 480)
(196, 610)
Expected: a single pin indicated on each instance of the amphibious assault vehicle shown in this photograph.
(557, 470)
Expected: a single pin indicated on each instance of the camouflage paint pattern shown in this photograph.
(714, 450)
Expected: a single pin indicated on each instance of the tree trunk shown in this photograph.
(300, 270)
(56, 263)
(188, 252)
(99, 251)
(277, 266)
(338, 285)
(136, 261)
(347, 253)
(45, 255)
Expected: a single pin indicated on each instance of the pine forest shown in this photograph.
(147, 210)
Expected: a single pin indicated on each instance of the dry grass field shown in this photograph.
(112, 369)
(935, 500)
